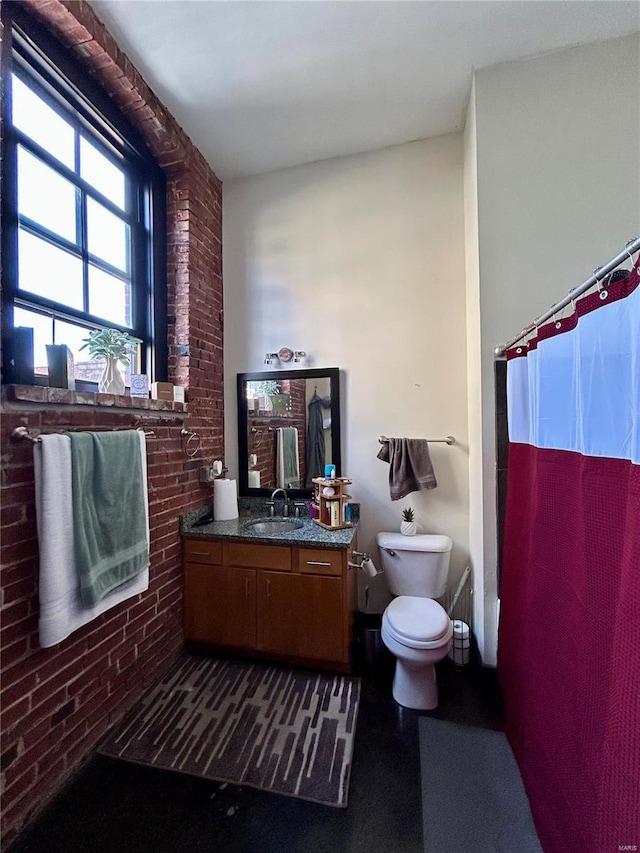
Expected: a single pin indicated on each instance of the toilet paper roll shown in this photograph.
(225, 500)
(369, 568)
(460, 629)
(254, 479)
(460, 646)
(460, 657)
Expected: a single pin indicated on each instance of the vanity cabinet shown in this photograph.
(220, 602)
(276, 602)
(300, 615)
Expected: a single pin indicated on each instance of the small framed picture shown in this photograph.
(139, 385)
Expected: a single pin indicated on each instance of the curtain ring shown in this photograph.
(191, 437)
(626, 248)
(598, 280)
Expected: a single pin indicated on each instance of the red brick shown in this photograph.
(105, 666)
(11, 715)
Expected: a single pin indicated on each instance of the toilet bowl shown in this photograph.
(418, 632)
(415, 628)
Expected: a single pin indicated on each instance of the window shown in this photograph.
(83, 213)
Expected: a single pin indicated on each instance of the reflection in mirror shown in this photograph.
(288, 429)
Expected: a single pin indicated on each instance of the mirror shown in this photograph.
(288, 429)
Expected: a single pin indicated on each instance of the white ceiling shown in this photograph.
(264, 85)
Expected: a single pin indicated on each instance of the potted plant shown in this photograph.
(407, 525)
(268, 389)
(113, 346)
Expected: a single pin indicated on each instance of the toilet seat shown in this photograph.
(419, 623)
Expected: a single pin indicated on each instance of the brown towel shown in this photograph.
(410, 467)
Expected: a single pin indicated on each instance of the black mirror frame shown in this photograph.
(333, 373)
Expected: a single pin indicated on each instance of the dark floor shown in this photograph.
(114, 806)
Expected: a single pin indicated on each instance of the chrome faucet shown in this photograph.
(285, 508)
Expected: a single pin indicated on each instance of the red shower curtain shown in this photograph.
(569, 638)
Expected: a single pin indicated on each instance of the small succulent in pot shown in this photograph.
(113, 346)
(408, 525)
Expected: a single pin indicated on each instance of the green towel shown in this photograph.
(290, 467)
(109, 513)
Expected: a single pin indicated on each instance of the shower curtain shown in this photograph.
(569, 637)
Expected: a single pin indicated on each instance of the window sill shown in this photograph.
(63, 397)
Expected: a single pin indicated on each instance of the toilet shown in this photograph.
(415, 628)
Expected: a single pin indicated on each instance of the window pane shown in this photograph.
(107, 236)
(42, 335)
(39, 121)
(101, 173)
(47, 271)
(86, 368)
(109, 297)
(73, 336)
(45, 196)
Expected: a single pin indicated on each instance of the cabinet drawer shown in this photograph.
(202, 551)
(259, 556)
(317, 561)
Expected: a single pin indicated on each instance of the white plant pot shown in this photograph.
(112, 380)
(408, 528)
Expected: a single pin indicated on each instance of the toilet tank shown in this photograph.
(415, 565)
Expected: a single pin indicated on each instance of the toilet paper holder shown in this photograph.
(360, 559)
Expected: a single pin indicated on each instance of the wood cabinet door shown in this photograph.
(220, 605)
(300, 615)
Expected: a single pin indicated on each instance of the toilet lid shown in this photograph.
(417, 622)
(420, 542)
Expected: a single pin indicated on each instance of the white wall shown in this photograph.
(558, 186)
(360, 262)
(474, 387)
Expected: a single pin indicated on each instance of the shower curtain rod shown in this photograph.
(599, 273)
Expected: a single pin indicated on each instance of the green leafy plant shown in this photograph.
(111, 343)
(270, 387)
(407, 514)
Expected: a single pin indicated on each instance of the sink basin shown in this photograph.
(275, 525)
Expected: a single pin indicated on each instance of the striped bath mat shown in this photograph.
(282, 730)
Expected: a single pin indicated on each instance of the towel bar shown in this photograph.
(448, 440)
(23, 434)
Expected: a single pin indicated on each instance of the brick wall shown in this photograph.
(57, 703)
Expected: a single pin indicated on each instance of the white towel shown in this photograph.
(61, 611)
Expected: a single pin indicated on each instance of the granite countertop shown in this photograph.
(241, 529)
